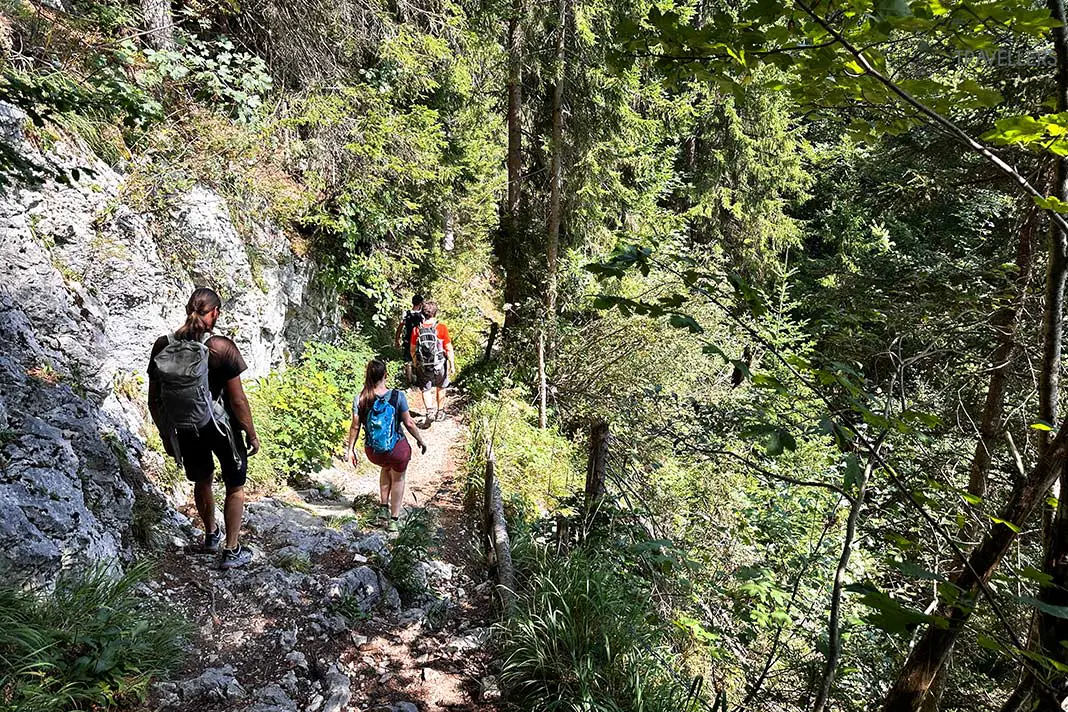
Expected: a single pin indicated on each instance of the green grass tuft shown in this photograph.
(92, 643)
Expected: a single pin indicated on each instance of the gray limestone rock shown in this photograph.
(337, 690)
(87, 283)
(272, 698)
(213, 685)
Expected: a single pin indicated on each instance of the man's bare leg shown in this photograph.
(233, 508)
(205, 501)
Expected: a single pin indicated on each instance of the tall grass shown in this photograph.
(93, 643)
(586, 638)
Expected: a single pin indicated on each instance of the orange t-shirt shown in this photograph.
(443, 335)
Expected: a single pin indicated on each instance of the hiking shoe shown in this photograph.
(383, 513)
(442, 415)
(212, 540)
(234, 558)
(393, 526)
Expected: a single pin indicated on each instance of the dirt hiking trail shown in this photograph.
(316, 624)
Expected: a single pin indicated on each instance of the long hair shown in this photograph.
(376, 371)
(201, 302)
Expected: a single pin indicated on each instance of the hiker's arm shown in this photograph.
(156, 411)
(354, 432)
(450, 358)
(406, 416)
(235, 396)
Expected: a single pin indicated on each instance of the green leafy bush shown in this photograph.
(299, 420)
(414, 540)
(303, 413)
(91, 644)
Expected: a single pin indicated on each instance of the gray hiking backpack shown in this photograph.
(182, 368)
(429, 352)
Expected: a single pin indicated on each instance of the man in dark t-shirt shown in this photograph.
(228, 444)
(408, 323)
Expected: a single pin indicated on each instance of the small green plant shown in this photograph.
(92, 643)
(366, 507)
(128, 386)
(412, 545)
(437, 615)
(351, 609)
(295, 562)
(148, 514)
(336, 523)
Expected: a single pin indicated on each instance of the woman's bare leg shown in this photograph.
(396, 493)
(384, 482)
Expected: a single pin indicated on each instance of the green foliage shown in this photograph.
(587, 638)
(300, 422)
(295, 561)
(92, 643)
(148, 513)
(213, 72)
(534, 465)
(303, 412)
(415, 538)
(351, 608)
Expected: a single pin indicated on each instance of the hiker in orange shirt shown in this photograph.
(434, 359)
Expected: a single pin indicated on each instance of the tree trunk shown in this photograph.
(834, 633)
(595, 465)
(543, 420)
(159, 22)
(552, 246)
(933, 647)
(448, 238)
(1051, 629)
(1005, 322)
(512, 238)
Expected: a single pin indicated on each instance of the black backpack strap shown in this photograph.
(394, 399)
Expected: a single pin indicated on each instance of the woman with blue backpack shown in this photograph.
(379, 411)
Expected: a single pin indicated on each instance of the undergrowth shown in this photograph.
(589, 632)
(412, 545)
(534, 465)
(302, 413)
(93, 643)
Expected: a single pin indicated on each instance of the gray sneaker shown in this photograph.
(213, 540)
(234, 558)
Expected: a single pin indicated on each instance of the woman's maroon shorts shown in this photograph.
(397, 460)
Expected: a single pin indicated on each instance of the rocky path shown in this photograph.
(334, 614)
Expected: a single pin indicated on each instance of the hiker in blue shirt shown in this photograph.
(380, 410)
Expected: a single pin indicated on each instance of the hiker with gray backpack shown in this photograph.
(380, 411)
(198, 404)
(435, 361)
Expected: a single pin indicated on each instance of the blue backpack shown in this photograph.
(382, 426)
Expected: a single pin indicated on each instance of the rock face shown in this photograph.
(87, 283)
